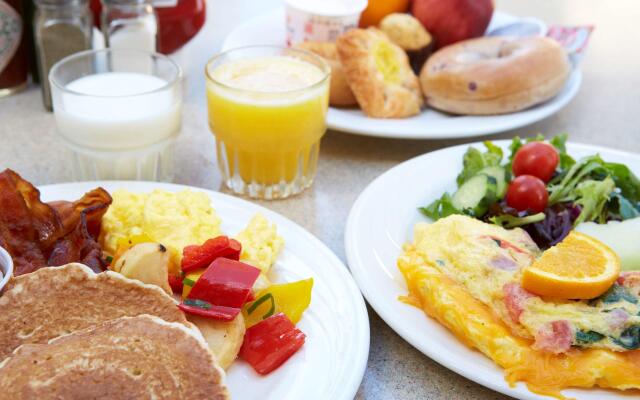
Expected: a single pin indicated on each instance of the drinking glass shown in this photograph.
(267, 110)
(119, 111)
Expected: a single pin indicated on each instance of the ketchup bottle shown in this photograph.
(14, 65)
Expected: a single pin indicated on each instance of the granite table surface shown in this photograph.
(605, 112)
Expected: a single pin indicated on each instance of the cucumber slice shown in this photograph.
(476, 195)
(500, 176)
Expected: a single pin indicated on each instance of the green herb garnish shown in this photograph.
(261, 300)
(197, 303)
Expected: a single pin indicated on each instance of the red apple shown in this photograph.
(451, 21)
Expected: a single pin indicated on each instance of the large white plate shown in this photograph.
(332, 362)
(430, 124)
(382, 219)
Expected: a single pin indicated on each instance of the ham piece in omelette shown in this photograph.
(466, 274)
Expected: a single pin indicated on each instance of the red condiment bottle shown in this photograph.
(179, 24)
(14, 65)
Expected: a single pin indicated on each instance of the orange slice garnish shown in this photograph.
(579, 267)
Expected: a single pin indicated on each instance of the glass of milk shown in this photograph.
(119, 111)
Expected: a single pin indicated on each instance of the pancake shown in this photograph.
(141, 357)
(55, 301)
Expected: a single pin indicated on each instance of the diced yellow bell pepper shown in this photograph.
(289, 298)
(190, 280)
(135, 239)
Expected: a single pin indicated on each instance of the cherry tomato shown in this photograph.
(527, 192)
(536, 158)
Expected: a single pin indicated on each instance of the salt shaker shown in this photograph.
(129, 24)
(61, 28)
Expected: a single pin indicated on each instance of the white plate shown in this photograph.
(382, 219)
(430, 124)
(332, 362)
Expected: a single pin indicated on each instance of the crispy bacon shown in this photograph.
(38, 234)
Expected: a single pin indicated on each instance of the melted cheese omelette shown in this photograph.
(466, 274)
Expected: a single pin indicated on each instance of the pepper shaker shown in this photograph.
(61, 28)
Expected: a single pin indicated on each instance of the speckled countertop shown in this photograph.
(605, 112)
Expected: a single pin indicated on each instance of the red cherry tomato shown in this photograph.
(527, 192)
(536, 158)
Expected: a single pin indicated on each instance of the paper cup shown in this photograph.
(321, 20)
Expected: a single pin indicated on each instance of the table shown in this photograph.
(605, 112)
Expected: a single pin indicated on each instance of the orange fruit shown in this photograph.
(579, 267)
(378, 9)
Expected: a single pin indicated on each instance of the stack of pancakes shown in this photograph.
(69, 333)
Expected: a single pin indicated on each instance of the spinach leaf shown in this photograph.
(621, 208)
(587, 337)
(626, 180)
(615, 294)
(629, 338)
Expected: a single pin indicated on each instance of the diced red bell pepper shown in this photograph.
(194, 257)
(207, 310)
(175, 282)
(270, 343)
(225, 283)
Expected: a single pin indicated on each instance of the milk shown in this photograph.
(120, 124)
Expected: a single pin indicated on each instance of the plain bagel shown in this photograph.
(494, 75)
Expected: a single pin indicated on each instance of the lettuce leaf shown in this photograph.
(440, 208)
(474, 160)
(511, 221)
(592, 196)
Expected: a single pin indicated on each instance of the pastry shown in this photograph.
(408, 33)
(340, 94)
(379, 74)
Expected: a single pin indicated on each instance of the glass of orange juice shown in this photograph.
(267, 111)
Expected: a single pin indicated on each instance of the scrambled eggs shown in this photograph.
(466, 274)
(174, 219)
(260, 243)
(180, 219)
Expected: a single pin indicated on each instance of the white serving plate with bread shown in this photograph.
(429, 124)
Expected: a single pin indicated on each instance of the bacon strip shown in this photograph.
(38, 234)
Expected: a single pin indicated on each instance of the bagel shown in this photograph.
(494, 75)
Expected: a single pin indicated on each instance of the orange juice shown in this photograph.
(268, 115)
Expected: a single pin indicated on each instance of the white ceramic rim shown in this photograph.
(6, 265)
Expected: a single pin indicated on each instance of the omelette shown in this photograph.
(466, 274)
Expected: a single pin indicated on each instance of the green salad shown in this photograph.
(541, 188)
